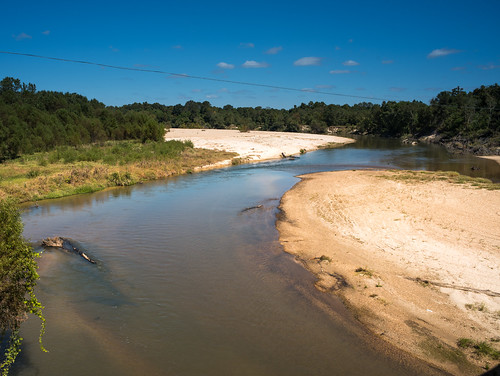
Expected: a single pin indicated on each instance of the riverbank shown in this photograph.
(255, 146)
(415, 255)
(91, 168)
(68, 171)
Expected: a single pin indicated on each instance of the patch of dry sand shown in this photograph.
(395, 233)
(255, 145)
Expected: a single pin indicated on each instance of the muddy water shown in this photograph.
(188, 284)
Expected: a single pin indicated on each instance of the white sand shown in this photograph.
(254, 145)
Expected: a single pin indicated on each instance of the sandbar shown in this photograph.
(254, 146)
(417, 261)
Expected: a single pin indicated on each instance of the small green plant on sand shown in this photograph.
(364, 271)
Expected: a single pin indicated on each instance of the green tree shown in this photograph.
(18, 278)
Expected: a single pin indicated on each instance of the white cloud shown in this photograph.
(442, 52)
(350, 63)
(46, 32)
(113, 49)
(387, 61)
(247, 45)
(489, 66)
(211, 96)
(254, 64)
(309, 60)
(309, 89)
(340, 71)
(274, 50)
(21, 36)
(223, 65)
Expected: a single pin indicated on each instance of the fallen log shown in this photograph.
(251, 208)
(67, 245)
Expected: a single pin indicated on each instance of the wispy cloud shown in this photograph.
(397, 89)
(350, 63)
(46, 32)
(308, 89)
(114, 49)
(247, 45)
(308, 60)
(21, 36)
(212, 96)
(340, 71)
(324, 86)
(223, 65)
(351, 40)
(254, 64)
(387, 61)
(274, 50)
(442, 52)
(337, 48)
(488, 66)
(457, 68)
(177, 47)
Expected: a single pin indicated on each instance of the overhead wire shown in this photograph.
(183, 75)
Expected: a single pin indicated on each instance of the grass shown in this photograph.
(448, 176)
(364, 271)
(67, 171)
(482, 348)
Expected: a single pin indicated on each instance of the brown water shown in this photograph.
(187, 284)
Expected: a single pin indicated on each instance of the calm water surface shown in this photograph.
(188, 284)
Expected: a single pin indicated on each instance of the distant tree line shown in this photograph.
(33, 121)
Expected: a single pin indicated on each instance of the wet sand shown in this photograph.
(417, 262)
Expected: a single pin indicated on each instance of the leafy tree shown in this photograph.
(18, 278)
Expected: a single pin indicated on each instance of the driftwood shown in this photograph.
(251, 208)
(66, 244)
(450, 286)
(290, 157)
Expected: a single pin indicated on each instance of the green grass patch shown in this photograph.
(482, 348)
(66, 171)
(364, 271)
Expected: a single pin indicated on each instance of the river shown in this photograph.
(189, 284)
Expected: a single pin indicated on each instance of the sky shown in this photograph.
(337, 52)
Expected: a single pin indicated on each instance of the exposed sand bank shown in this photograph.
(495, 158)
(395, 232)
(254, 146)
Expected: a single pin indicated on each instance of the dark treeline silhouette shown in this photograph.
(32, 121)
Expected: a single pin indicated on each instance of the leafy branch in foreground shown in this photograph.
(18, 278)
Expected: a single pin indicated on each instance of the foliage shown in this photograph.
(18, 278)
(32, 121)
(482, 348)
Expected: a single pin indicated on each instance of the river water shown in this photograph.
(188, 284)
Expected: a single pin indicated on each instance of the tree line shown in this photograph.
(32, 120)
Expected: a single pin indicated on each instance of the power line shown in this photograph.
(193, 77)
(222, 80)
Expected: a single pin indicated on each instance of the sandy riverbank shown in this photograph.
(398, 233)
(254, 146)
(495, 158)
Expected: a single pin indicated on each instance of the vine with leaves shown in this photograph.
(18, 278)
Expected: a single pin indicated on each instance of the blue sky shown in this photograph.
(393, 50)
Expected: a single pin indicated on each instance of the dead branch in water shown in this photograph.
(66, 244)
